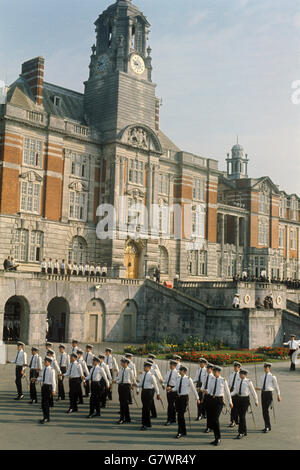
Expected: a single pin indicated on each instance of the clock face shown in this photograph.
(102, 64)
(137, 64)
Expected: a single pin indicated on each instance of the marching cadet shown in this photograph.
(47, 377)
(131, 366)
(147, 383)
(107, 372)
(267, 384)
(177, 359)
(56, 369)
(20, 361)
(85, 373)
(98, 270)
(86, 269)
(49, 266)
(88, 357)
(55, 266)
(92, 269)
(293, 346)
(184, 385)
(169, 383)
(75, 373)
(111, 362)
(74, 347)
(199, 379)
(216, 392)
(96, 375)
(35, 366)
(242, 390)
(62, 267)
(233, 379)
(63, 361)
(75, 269)
(156, 372)
(80, 269)
(203, 389)
(43, 266)
(125, 380)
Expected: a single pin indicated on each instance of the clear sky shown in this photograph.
(223, 67)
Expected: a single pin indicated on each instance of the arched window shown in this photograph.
(78, 250)
(163, 260)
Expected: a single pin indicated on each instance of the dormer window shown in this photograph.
(57, 101)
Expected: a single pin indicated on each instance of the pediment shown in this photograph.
(135, 192)
(31, 176)
(266, 186)
(78, 186)
(141, 137)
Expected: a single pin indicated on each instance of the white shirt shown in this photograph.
(244, 388)
(98, 269)
(107, 371)
(74, 370)
(56, 265)
(200, 376)
(35, 362)
(55, 366)
(178, 366)
(88, 357)
(43, 264)
(292, 344)
(63, 360)
(149, 383)
(125, 375)
(104, 269)
(172, 375)
(131, 365)
(49, 264)
(205, 384)
(96, 374)
(234, 377)
(187, 386)
(49, 377)
(156, 372)
(111, 362)
(271, 383)
(20, 359)
(222, 388)
(87, 268)
(73, 350)
(81, 268)
(75, 268)
(84, 366)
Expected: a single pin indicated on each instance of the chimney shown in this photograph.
(33, 73)
(157, 106)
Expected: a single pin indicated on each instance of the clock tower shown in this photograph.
(119, 90)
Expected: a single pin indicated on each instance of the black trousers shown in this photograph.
(242, 405)
(109, 390)
(95, 397)
(80, 394)
(214, 407)
(124, 398)
(171, 397)
(181, 404)
(153, 407)
(201, 407)
(87, 384)
(61, 388)
(46, 398)
(33, 374)
(204, 404)
(75, 385)
(266, 402)
(234, 416)
(103, 393)
(147, 401)
(18, 381)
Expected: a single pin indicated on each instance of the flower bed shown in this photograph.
(273, 352)
(221, 359)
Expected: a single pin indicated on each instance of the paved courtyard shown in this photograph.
(75, 431)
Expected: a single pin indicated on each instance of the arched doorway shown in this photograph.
(16, 319)
(57, 317)
(128, 321)
(163, 260)
(94, 321)
(131, 260)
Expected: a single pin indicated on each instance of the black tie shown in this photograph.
(264, 385)
(232, 386)
(240, 391)
(86, 356)
(71, 368)
(207, 378)
(93, 374)
(122, 381)
(60, 362)
(44, 375)
(180, 385)
(199, 383)
(144, 381)
(31, 361)
(215, 387)
(169, 379)
(17, 356)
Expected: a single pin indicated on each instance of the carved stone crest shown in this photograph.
(137, 137)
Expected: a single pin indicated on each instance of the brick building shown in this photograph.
(63, 153)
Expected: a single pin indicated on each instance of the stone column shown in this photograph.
(237, 242)
(117, 189)
(149, 192)
(65, 195)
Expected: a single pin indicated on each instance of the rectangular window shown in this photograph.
(79, 165)
(136, 172)
(78, 205)
(282, 207)
(293, 239)
(20, 245)
(36, 241)
(199, 189)
(264, 203)
(281, 237)
(30, 197)
(33, 153)
(163, 184)
(263, 232)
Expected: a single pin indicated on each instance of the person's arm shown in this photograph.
(40, 377)
(253, 392)
(68, 371)
(227, 392)
(115, 365)
(103, 373)
(53, 382)
(276, 386)
(193, 388)
(80, 371)
(158, 374)
(155, 384)
(108, 374)
(40, 364)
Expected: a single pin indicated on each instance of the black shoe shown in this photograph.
(70, 411)
(266, 430)
(36, 401)
(30, 402)
(168, 423)
(198, 418)
(144, 428)
(90, 416)
(121, 421)
(231, 425)
(207, 430)
(217, 442)
(43, 421)
(179, 435)
(239, 436)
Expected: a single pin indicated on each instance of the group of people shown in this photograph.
(73, 269)
(267, 303)
(246, 277)
(99, 372)
(9, 264)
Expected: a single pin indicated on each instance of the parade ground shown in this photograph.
(20, 428)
